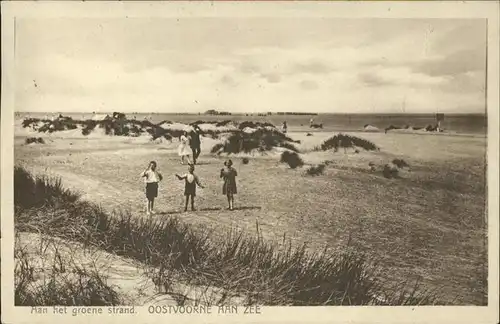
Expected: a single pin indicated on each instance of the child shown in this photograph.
(191, 180)
(228, 173)
(151, 177)
(184, 147)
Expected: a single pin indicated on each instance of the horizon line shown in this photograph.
(253, 113)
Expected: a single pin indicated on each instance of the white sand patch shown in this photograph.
(177, 127)
(370, 128)
(129, 278)
(98, 117)
(249, 130)
(214, 128)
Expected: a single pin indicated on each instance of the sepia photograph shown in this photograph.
(182, 163)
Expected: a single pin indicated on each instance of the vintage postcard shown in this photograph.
(250, 162)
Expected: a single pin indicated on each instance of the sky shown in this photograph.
(328, 65)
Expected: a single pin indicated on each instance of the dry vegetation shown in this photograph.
(63, 281)
(238, 264)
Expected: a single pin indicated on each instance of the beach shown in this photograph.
(416, 227)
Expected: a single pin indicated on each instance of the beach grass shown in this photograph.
(238, 263)
(58, 281)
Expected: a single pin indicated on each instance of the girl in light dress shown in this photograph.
(184, 149)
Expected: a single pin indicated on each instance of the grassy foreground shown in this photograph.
(238, 264)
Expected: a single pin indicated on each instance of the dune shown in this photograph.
(249, 130)
(370, 128)
(99, 117)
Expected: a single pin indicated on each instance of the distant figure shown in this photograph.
(284, 127)
(191, 181)
(229, 174)
(184, 148)
(195, 144)
(311, 122)
(151, 178)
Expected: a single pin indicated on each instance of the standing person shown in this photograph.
(151, 178)
(228, 173)
(191, 181)
(184, 147)
(284, 127)
(195, 144)
(311, 122)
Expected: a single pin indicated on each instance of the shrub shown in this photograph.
(390, 171)
(347, 141)
(223, 123)
(158, 132)
(309, 134)
(245, 160)
(88, 126)
(400, 163)
(316, 126)
(315, 170)
(292, 158)
(391, 127)
(261, 140)
(431, 128)
(27, 122)
(30, 140)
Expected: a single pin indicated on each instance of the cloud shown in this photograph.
(309, 85)
(373, 80)
(311, 68)
(165, 65)
(464, 61)
(228, 80)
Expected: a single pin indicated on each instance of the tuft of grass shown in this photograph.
(235, 262)
(292, 159)
(245, 160)
(348, 141)
(39, 191)
(315, 170)
(390, 171)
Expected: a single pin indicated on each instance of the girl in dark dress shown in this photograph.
(228, 173)
(191, 180)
